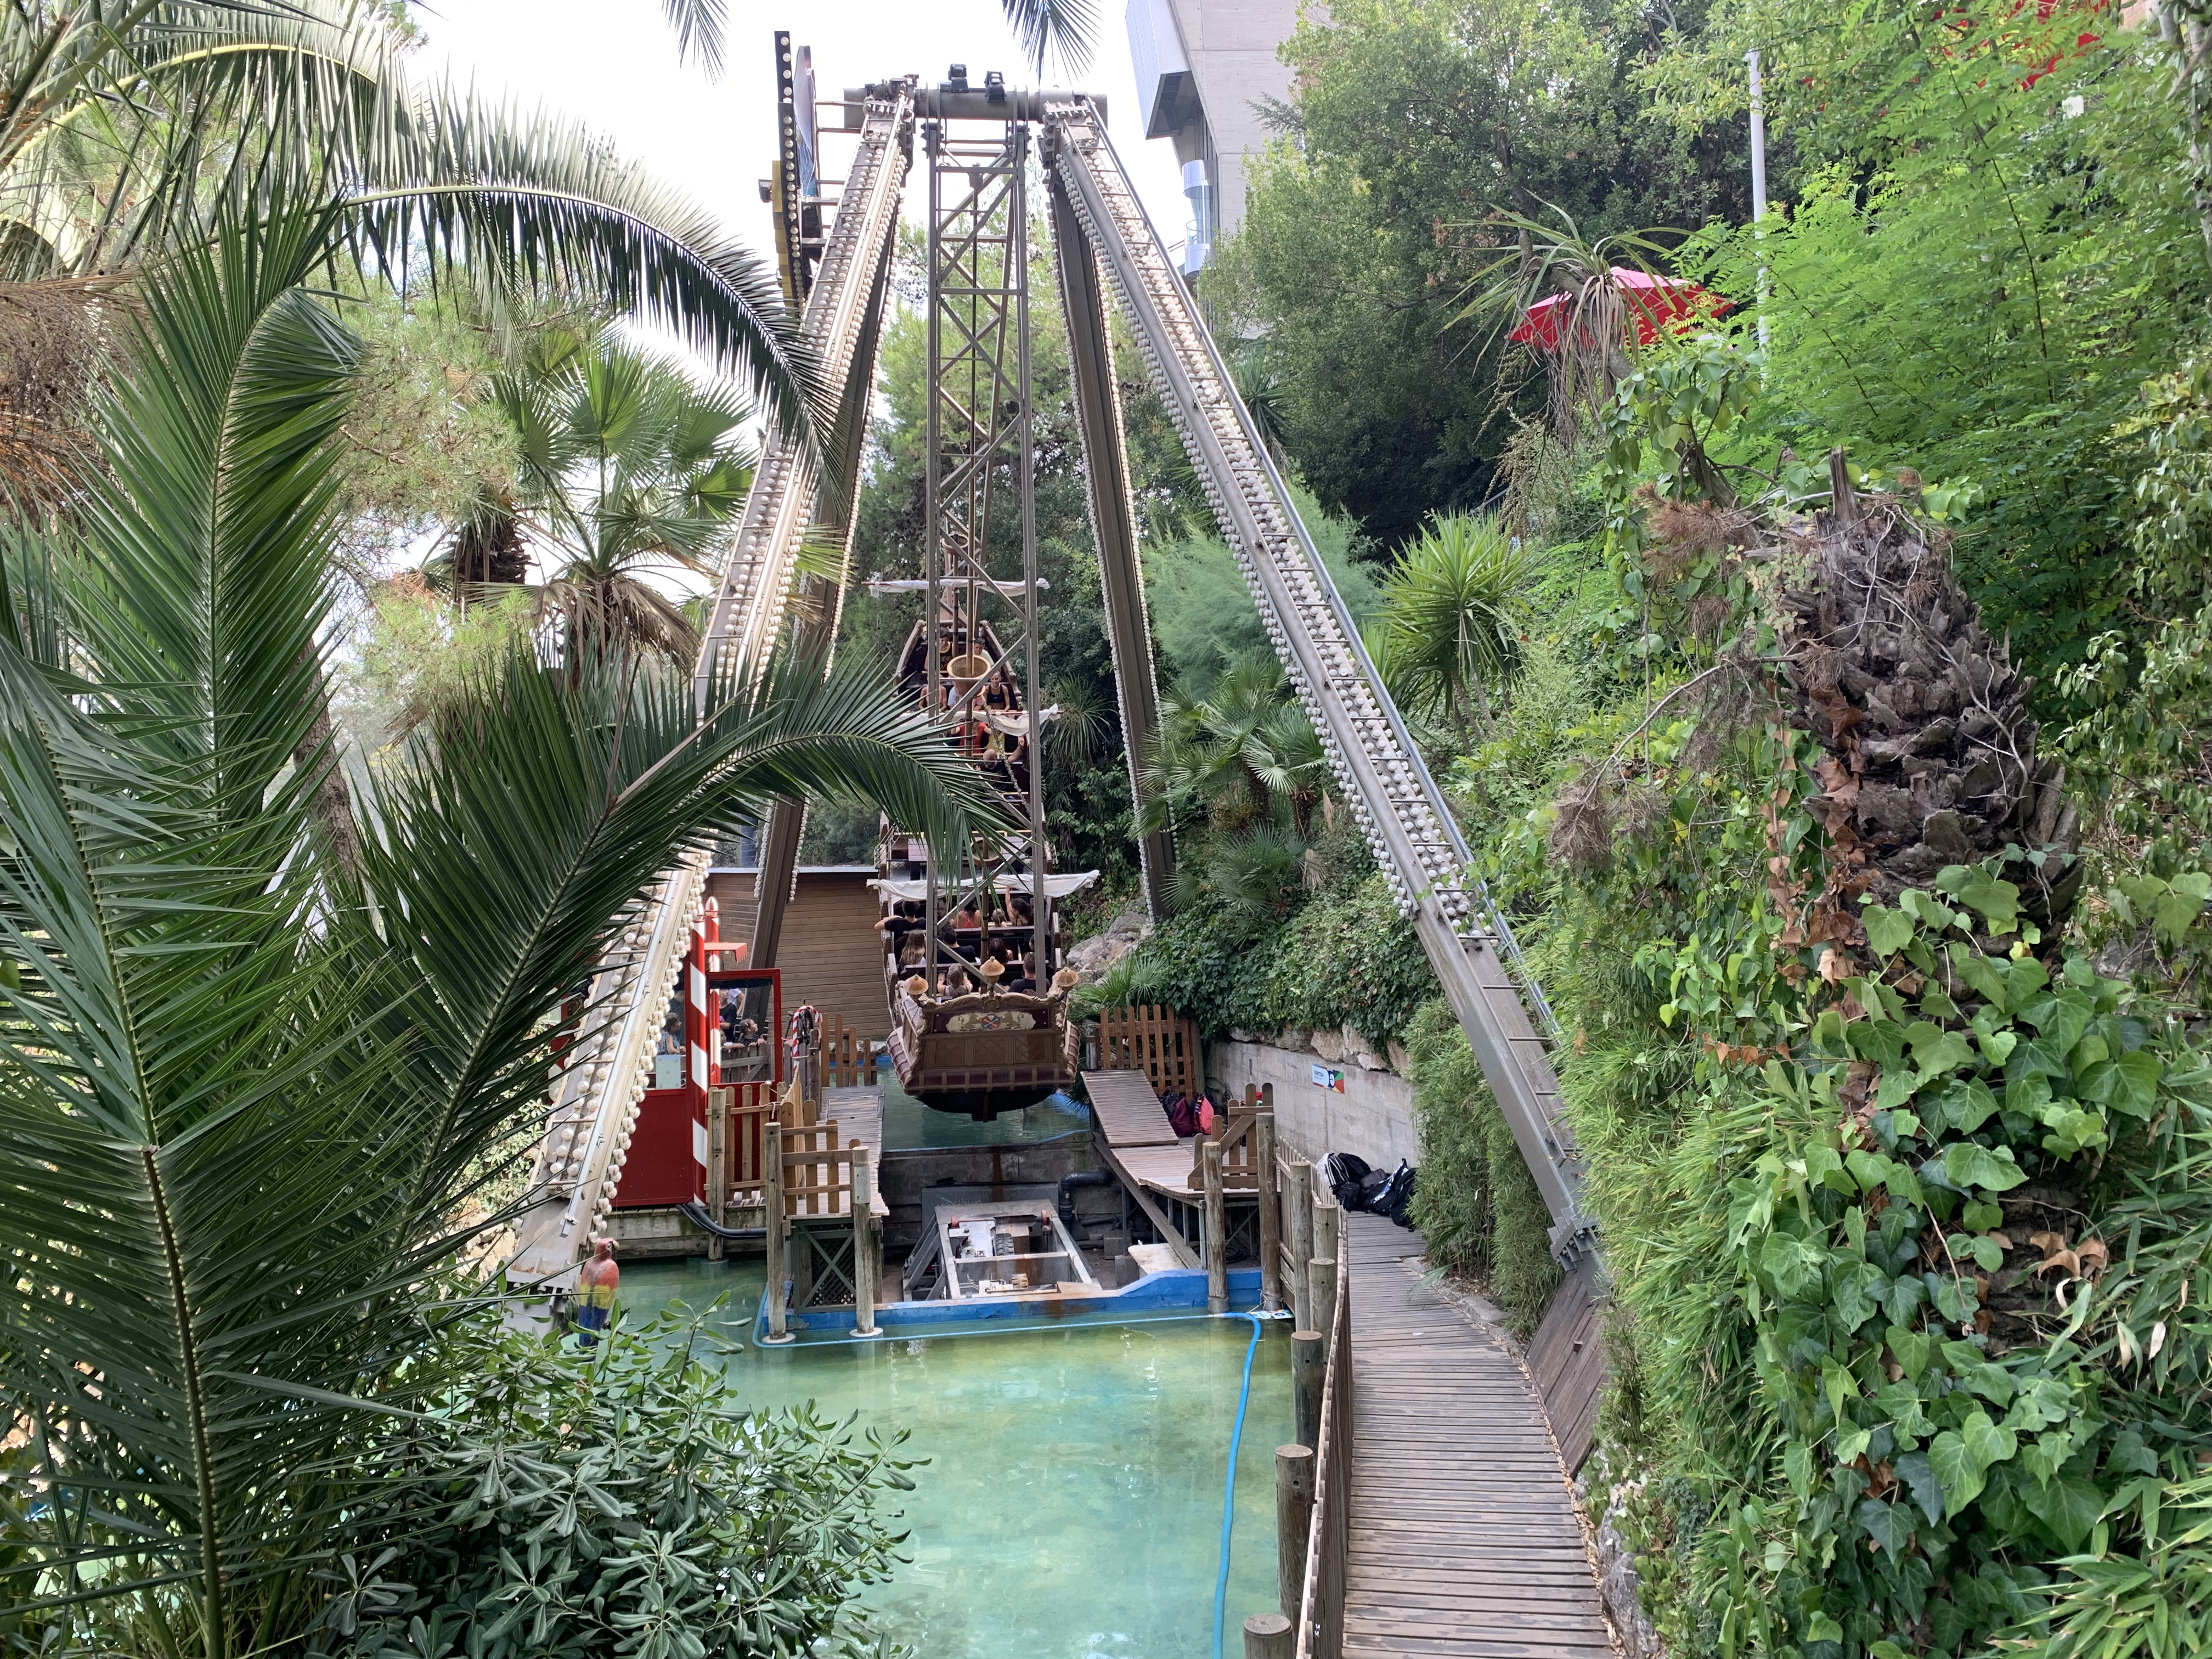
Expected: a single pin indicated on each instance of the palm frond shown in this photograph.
(1062, 28)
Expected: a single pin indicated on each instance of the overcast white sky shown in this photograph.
(613, 64)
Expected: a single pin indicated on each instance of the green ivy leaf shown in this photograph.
(1989, 980)
(1912, 1348)
(1988, 1255)
(1918, 1472)
(1880, 1041)
(1792, 1263)
(1857, 1293)
(1997, 900)
(1966, 1164)
(1936, 1051)
(1962, 1478)
(1887, 930)
(2069, 1508)
(1888, 1526)
(1966, 1103)
(1996, 1047)
(2128, 1083)
(2172, 915)
(1901, 1298)
(1987, 1442)
(1797, 1468)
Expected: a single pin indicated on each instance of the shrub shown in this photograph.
(617, 1498)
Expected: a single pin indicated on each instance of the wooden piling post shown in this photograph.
(864, 1245)
(1214, 1228)
(1294, 1502)
(772, 1201)
(1323, 1271)
(1269, 1636)
(1309, 1371)
(718, 1164)
(1298, 1231)
(1271, 1216)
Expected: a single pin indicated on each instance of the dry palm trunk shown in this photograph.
(1931, 750)
(1931, 761)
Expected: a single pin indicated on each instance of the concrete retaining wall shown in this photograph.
(1372, 1116)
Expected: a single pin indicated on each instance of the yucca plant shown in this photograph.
(1237, 749)
(1453, 615)
(246, 1076)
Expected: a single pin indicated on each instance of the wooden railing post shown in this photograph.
(772, 1201)
(1309, 1368)
(864, 1245)
(718, 1164)
(1294, 1501)
(1298, 1229)
(1271, 1219)
(1216, 1230)
(1268, 1636)
(1319, 1622)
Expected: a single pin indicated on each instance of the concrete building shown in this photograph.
(1205, 71)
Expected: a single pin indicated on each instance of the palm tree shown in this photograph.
(128, 126)
(1064, 28)
(246, 1081)
(1452, 618)
(1238, 749)
(625, 467)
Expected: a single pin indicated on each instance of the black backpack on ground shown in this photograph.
(1397, 1195)
(1344, 1171)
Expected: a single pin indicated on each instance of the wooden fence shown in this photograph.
(1158, 1042)
(1320, 1609)
(848, 1059)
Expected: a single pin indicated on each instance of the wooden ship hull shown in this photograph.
(984, 1053)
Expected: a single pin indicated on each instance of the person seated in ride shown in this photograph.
(911, 951)
(967, 917)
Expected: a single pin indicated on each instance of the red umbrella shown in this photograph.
(1654, 302)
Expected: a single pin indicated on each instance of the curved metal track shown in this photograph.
(1415, 840)
(588, 1136)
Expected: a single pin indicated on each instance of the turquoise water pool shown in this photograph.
(1071, 1507)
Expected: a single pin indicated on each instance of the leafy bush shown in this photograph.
(619, 1499)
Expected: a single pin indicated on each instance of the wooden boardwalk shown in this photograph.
(1464, 1543)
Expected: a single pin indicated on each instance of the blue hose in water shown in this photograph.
(1229, 1490)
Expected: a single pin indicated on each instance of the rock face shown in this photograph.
(1094, 958)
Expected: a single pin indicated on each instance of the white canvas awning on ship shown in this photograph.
(1058, 887)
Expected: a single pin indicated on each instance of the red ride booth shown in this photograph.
(720, 1031)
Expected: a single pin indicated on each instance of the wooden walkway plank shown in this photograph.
(1464, 1543)
(1126, 1111)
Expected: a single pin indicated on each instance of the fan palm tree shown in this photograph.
(1237, 750)
(1452, 617)
(626, 467)
(246, 1082)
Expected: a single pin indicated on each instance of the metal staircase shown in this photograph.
(587, 1137)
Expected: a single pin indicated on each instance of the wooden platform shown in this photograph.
(1140, 1147)
(1125, 1110)
(860, 1114)
(1464, 1543)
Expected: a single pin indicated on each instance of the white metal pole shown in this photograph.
(1759, 176)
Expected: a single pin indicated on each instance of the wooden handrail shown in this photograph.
(1320, 1609)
